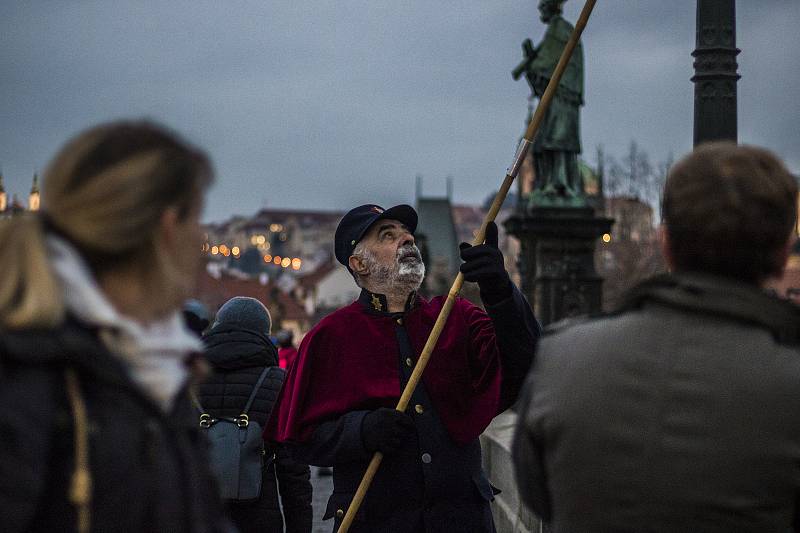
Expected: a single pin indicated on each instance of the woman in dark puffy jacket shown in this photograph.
(96, 426)
(238, 348)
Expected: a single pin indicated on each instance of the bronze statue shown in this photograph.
(555, 149)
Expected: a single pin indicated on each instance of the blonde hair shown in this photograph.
(105, 192)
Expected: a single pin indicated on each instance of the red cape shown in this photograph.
(350, 361)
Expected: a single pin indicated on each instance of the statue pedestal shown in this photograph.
(556, 260)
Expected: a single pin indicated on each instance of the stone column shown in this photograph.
(715, 74)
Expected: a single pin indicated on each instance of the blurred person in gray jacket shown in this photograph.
(680, 412)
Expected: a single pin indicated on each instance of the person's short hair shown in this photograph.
(729, 210)
(284, 338)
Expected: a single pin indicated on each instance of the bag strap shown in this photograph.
(80, 492)
(252, 397)
(196, 400)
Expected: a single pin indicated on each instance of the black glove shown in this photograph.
(484, 265)
(386, 430)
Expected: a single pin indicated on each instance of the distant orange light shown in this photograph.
(606, 237)
(277, 260)
(235, 250)
(296, 262)
(268, 258)
(286, 262)
(214, 250)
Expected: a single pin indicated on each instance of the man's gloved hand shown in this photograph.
(484, 265)
(386, 430)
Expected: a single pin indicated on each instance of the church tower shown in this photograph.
(33, 198)
(3, 197)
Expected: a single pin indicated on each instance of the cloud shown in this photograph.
(329, 104)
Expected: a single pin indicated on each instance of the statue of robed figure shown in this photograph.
(555, 149)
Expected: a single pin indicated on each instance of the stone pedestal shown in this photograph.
(556, 260)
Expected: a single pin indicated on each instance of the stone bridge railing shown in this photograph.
(510, 515)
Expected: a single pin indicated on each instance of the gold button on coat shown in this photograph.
(339, 513)
(409, 362)
(400, 321)
(419, 409)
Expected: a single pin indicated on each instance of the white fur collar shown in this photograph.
(155, 354)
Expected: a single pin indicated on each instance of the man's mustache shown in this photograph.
(409, 251)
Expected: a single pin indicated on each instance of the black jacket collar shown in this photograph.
(722, 297)
(71, 344)
(375, 303)
(229, 347)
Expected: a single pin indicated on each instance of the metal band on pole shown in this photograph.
(499, 198)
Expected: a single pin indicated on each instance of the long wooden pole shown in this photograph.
(499, 198)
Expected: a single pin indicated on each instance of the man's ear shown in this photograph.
(664, 246)
(784, 252)
(358, 265)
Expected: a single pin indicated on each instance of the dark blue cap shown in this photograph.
(357, 221)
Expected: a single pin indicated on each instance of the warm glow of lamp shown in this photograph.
(606, 237)
(268, 258)
(286, 262)
(235, 251)
(214, 250)
(277, 260)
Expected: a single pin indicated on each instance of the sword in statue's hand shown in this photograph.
(529, 54)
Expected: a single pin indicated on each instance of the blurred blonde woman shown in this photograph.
(96, 430)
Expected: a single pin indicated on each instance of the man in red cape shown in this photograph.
(337, 405)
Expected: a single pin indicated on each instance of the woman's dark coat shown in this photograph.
(148, 468)
(238, 357)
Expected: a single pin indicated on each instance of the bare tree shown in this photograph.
(632, 187)
(634, 176)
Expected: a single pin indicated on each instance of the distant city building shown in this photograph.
(287, 313)
(33, 197)
(439, 242)
(3, 197)
(291, 241)
(15, 206)
(634, 218)
(326, 289)
(630, 253)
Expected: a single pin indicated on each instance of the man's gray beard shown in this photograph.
(398, 279)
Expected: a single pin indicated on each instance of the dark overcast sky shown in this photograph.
(329, 104)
